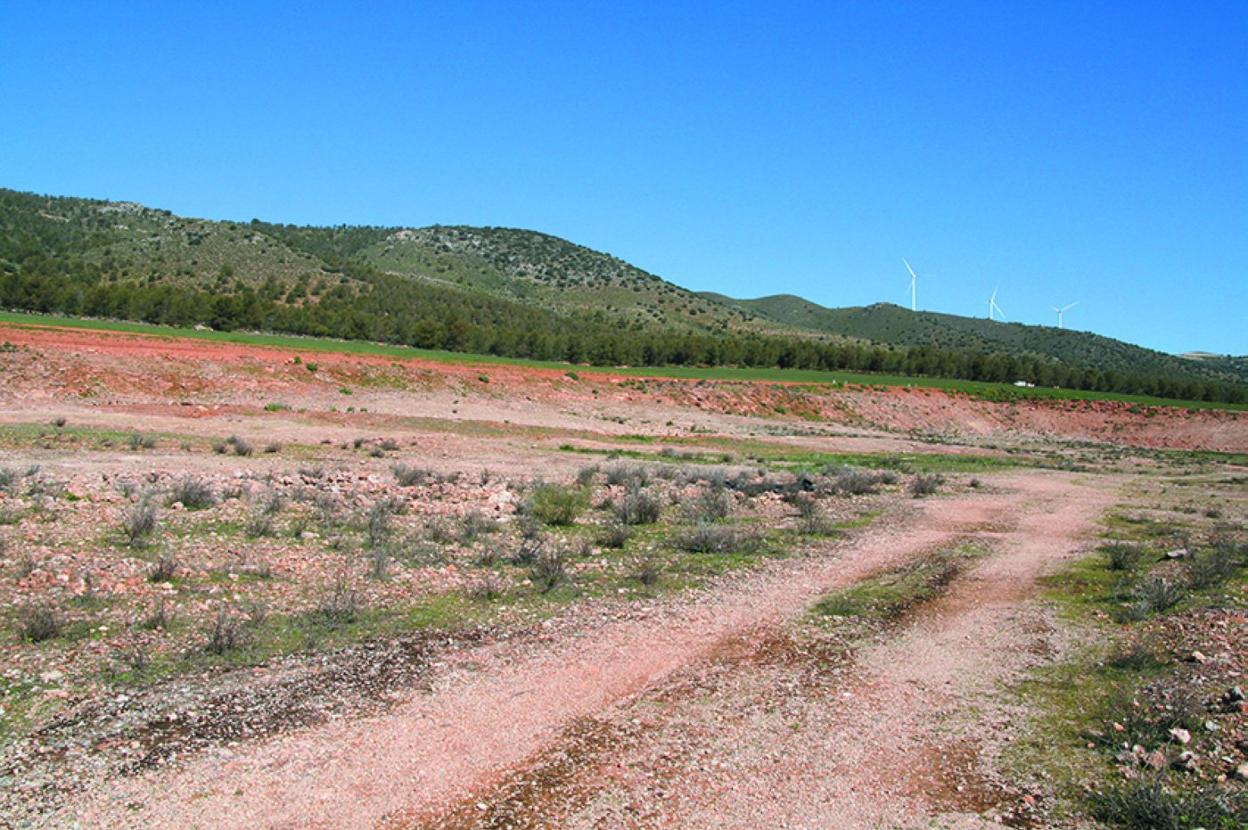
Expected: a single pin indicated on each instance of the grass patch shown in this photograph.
(888, 595)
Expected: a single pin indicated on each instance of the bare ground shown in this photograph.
(866, 753)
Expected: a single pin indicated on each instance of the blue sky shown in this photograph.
(1090, 152)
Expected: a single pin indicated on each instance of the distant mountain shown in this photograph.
(893, 325)
(515, 292)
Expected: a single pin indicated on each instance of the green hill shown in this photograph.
(517, 293)
(893, 325)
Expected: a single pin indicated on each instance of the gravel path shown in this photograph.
(465, 735)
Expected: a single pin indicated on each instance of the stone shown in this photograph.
(1181, 735)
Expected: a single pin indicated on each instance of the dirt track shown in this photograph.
(840, 770)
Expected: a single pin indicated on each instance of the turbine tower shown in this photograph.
(994, 310)
(914, 278)
(1061, 311)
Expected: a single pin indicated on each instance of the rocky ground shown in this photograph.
(247, 587)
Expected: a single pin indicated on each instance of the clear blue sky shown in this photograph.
(1090, 152)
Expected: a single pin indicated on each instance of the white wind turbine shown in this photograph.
(914, 278)
(994, 310)
(1061, 311)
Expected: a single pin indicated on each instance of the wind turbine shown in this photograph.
(1061, 311)
(914, 278)
(993, 308)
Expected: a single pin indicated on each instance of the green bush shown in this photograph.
(554, 504)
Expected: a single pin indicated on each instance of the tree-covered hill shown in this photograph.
(516, 293)
(891, 324)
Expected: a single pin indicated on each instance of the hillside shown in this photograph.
(891, 324)
(524, 266)
(516, 293)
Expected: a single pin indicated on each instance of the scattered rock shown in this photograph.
(1180, 735)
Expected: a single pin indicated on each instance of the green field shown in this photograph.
(991, 391)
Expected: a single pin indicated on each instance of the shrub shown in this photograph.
(226, 633)
(1211, 566)
(1154, 595)
(379, 557)
(240, 446)
(193, 493)
(1123, 556)
(812, 519)
(854, 481)
(1227, 545)
(164, 569)
(138, 441)
(487, 589)
(557, 505)
(647, 570)
(638, 507)
(527, 553)
(925, 485)
(615, 535)
(585, 475)
(408, 476)
(272, 447)
(633, 475)
(715, 538)
(549, 569)
(712, 504)
(138, 522)
(341, 603)
(220, 448)
(8, 478)
(258, 524)
(159, 618)
(38, 623)
(1147, 805)
(475, 524)
(377, 522)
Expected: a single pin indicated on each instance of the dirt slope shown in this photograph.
(110, 371)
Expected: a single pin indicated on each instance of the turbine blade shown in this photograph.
(913, 275)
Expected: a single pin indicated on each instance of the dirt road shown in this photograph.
(864, 761)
